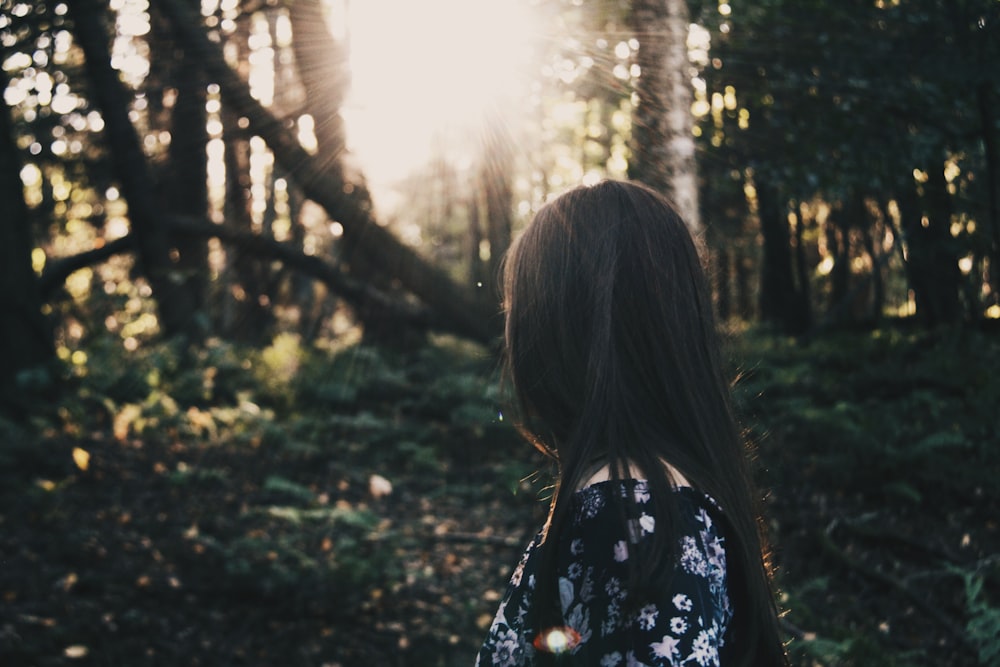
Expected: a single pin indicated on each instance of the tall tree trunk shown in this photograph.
(990, 120)
(474, 239)
(130, 167)
(931, 259)
(780, 301)
(186, 189)
(802, 295)
(346, 203)
(662, 145)
(25, 338)
(244, 316)
(723, 282)
(496, 175)
(744, 273)
(878, 284)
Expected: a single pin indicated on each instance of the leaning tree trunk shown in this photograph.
(363, 238)
(25, 339)
(662, 144)
(323, 69)
(130, 167)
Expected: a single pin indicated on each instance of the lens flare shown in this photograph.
(557, 640)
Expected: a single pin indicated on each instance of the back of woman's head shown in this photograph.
(612, 354)
(608, 310)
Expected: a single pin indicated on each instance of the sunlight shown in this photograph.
(421, 70)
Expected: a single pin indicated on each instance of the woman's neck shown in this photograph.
(603, 474)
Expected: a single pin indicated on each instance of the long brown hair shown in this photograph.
(612, 352)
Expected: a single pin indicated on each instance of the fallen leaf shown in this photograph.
(81, 457)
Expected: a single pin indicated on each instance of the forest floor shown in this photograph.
(235, 508)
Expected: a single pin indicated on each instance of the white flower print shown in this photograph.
(641, 492)
(587, 586)
(611, 659)
(507, 650)
(703, 650)
(565, 593)
(612, 587)
(691, 619)
(647, 617)
(579, 619)
(593, 501)
(631, 661)
(666, 648)
(692, 558)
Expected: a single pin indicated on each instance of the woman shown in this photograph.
(651, 553)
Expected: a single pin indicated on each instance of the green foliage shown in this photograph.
(915, 409)
(983, 626)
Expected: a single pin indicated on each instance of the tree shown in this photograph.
(131, 168)
(663, 152)
(25, 337)
(183, 175)
(845, 102)
(347, 203)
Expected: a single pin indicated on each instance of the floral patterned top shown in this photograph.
(683, 625)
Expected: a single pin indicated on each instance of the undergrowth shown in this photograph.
(361, 505)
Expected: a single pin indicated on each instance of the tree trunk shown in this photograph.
(244, 316)
(662, 145)
(186, 190)
(325, 75)
(723, 283)
(931, 265)
(744, 273)
(987, 98)
(346, 203)
(130, 167)
(780, 301)
(878, 284)
(496, 175)
(25, 338)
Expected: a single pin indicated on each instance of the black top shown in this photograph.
(684, 624)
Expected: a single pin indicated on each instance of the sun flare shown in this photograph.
(421, 69)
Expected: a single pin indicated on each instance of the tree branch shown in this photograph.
(356, 293)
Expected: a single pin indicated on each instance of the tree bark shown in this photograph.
(325, 74)
(25, 338)
(988, 100)
(130, 167)
(344, 202)
(662, 145)
(495, 178)
(780, 301)
(931, 259)
(186, 188)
